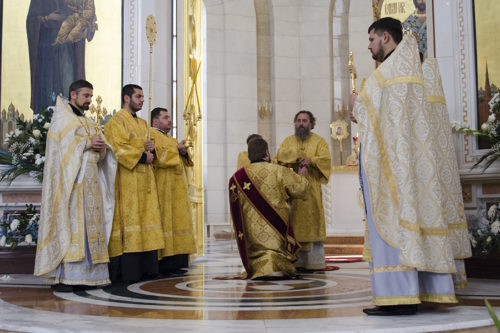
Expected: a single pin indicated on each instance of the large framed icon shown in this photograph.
(47, 44)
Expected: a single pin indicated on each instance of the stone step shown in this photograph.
(345, 239)
(343, 249)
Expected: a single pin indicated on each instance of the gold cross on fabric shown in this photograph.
(246, 186)
(240, 235)
(232, 187)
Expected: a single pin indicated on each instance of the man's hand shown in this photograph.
(352, 100)
(149, 146)
(304, 161)
(149, 158)
(97, 143)
(302, 170)
(182, 147)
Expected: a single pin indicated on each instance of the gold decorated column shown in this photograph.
(193, 130)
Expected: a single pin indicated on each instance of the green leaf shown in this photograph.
(492, 314)
(482, 158)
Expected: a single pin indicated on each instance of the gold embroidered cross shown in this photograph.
(240, 235)
(246, 186)
(232, 187)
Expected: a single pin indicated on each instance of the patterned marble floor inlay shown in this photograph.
(198, 292)
(329, 301)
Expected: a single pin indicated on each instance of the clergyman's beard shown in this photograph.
(302, 133)
(379, 56)
(134, 107)
(84, 106)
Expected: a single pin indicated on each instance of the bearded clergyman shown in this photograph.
(416, 226)
(309, 150)
(77, 197)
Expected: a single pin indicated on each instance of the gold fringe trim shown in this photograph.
(414, 299)
(436, 99)
(437, 298)
(57, 136)
(379, 77)
(344, 168)
(391, 268)
(432, 231)
(384, 159)
(404, 79)
(367, 254)
(396, 300)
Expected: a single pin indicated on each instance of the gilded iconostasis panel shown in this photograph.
(486, 27)
(413, 14)
(47, 44)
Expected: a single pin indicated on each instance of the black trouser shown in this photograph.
(134, 267)
(171, 264)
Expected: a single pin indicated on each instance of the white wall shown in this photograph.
(136, 50)
(231, 97)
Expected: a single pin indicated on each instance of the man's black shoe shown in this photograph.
(392, 310)
(62, 288)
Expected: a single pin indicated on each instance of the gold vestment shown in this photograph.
(401, 161)
(307, 217)
(173, 195)
(266, 249)
(77, 190)
(136, 223)
(243, 160)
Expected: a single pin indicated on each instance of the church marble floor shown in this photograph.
(198, 302)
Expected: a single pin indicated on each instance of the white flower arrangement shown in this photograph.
(489, 129)
(26, 152)
(19, 228)
(486, 238)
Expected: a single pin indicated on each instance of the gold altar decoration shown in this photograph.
(193, 113)
(99, 112)
(352, 72)
(376, 9)
(353, 159)
(339, 132)
(151, 34)
(265, 109)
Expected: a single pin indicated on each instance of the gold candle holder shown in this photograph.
(352, 72)
(353, 159)
(265, 109)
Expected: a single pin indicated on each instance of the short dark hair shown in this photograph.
(312, 120)
(257, 149)
(156, 113)
(128, 90)
(77, 85)
(389, 24)
(253, 136)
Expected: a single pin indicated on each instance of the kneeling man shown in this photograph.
(258, 197)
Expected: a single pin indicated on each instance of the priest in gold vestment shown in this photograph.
(258, 197)
(137, 233)
(414, 233)
(77, 197)
(307, 217)
(171, 160)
